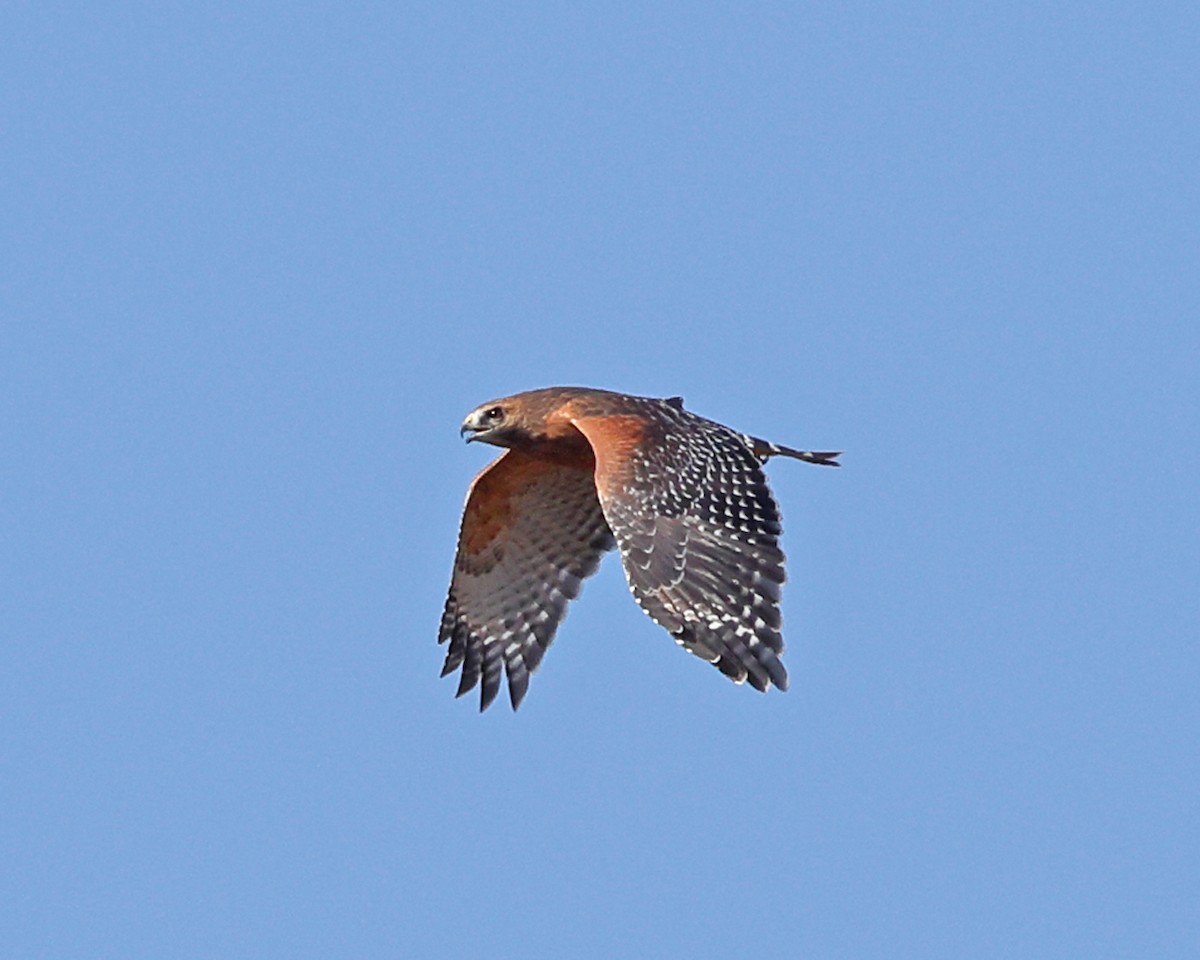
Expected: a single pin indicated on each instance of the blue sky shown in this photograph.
(260, 259)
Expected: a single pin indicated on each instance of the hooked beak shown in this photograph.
(471, 428)
(479, 426)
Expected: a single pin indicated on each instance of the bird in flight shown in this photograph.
(683, 498)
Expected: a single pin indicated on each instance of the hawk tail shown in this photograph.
(765, 449)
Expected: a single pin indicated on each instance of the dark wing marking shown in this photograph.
(531, 532)
(698, 531)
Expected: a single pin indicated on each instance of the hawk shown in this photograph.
(683, 498)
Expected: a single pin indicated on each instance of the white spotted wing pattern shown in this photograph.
(698, 532)
(531, 533)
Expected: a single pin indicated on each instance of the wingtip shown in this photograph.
(486, 696)
(518, 685)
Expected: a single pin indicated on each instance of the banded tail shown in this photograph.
(765, 449)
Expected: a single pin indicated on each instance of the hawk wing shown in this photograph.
(698, 531)
(531, 532)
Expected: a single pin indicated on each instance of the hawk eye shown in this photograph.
(494, 413)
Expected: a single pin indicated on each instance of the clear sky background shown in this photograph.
(260, 259)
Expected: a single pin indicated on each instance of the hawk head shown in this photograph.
(493, 423)
(526, 420)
